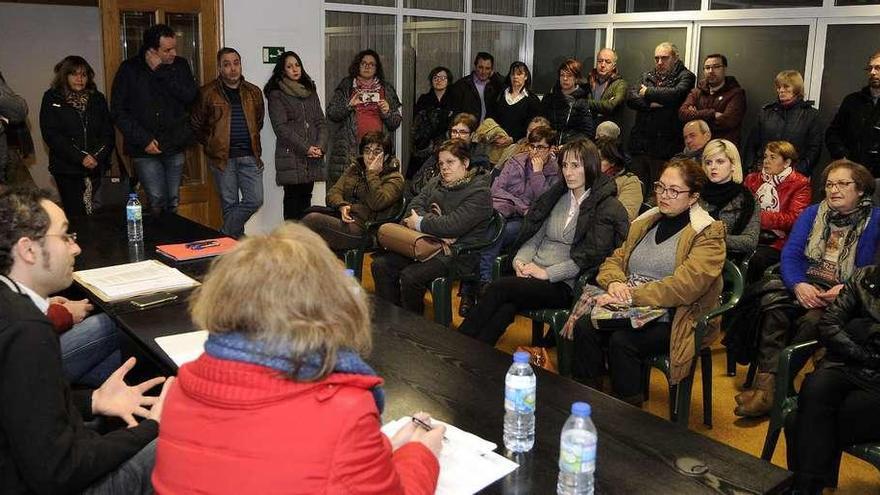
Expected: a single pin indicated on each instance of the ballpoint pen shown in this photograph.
(202, 245)
(426, 426)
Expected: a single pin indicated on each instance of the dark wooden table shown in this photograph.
(459, 380)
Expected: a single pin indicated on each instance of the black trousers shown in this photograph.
(497, 309)
(765, 256)
(71, 189)
(297, 199)
(339, 235)
(647, 168)
(626, 349)
(403, 281)
(834, 411)
(783, 327)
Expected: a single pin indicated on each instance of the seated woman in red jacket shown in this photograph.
(281, 400)
(782, 194)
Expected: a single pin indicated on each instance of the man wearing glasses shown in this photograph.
(656, 98)
(718, 100)
(44, 445)
(854, 133)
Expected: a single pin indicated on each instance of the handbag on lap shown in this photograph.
(411, 243)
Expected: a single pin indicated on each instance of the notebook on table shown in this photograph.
(121, 282)
(197, 249)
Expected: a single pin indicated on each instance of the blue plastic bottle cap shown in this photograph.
(581, 409)
(132, 195)
(349, 272)
(521, 357)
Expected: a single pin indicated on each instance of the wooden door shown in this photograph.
(198, 39)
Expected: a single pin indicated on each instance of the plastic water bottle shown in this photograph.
(519, 405)
(353, 281)
(577, 452)
(134, 216)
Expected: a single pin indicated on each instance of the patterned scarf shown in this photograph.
(767, 194)
(373, 85)
(77, 99)
(821, 231)
(234, 346)
(665, 79)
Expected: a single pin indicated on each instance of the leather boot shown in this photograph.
(744, 396)
(761, 402)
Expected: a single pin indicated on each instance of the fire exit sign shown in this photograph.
(271, 54)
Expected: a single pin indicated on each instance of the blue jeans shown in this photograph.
(488, 255)
(242, 174)
(132, 477)
(90, 351)
(161, 175)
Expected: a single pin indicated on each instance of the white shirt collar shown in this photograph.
(39, 301)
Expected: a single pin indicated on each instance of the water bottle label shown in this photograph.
(133, 213)
(578, 457)
(519, 394)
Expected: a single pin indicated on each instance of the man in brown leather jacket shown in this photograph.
(227, 120)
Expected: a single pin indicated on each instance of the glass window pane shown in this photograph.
(626, 6)
(500, 7)
(188, 40)
(761, 4)
(557, 45)
(131, 30)
(635, 56)
(378, 3)
(427, 43)
(857, 2)
(781, 48)
(570, 7)
(453, 5)
(503, 40)
(348, 33)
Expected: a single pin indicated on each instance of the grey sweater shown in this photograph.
(550, 247)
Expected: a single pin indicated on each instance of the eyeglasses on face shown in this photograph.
(459, 132)
(368, 64)
(838, 186)
(712, 67)
(372, 151)
(69, 237)
(671, 193)
(439, 77)
(539, 147)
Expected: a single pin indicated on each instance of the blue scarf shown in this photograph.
(234, 346)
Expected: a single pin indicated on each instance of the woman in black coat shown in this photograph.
(517, 105)
(566, 105)
(75, 123)
(789, 118)
(430, 119)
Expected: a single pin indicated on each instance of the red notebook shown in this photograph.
(197, 249)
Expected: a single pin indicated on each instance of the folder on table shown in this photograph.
(120, 282)
(198, 249)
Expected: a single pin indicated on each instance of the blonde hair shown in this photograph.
(286, 289)
(716, 146)
(791, 78)
(666, 45)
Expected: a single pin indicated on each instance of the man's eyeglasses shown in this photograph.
(838, 186)
(539, 147)
(660, 190)
(69, 237)
(712, 67)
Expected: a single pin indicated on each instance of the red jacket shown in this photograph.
(237, 428)
(794, 196)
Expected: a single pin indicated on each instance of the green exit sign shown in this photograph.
(271, 54)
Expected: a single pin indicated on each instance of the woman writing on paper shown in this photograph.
(294, 351)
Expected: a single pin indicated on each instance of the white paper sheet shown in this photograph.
(468, 463)
(133, 279)
(183, 347)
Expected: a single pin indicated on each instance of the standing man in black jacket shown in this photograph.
(150, 103)
(476, 92)
(656, 98)
(854, 133)
(44, 445)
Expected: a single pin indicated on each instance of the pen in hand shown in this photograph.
(426, 426)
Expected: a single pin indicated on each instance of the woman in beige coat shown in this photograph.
(672, 259)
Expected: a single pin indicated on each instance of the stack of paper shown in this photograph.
(468, 463)
(120, 282)
(183, 347)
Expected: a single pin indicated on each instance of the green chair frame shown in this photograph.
(680, 394)
(744, 270)
(441, 287)
(354, 258)
(785, 400)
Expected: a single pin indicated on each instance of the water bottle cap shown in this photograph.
(132, 195)
(521, 357)
(349, 272)
(581, 409)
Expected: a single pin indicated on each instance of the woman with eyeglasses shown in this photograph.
(364, 101)
(728, 200)
(300, 133)
(566, 231)
(462, 126)
(828, 242)
(517, 105)
(782, 194)
(672, 259)
(566, 105)
(431, 116)
(370, 189)
(525, 177)
(790, 118)
(76, 126)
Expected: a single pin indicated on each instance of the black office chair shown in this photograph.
(354, 258)
(441, 287)
(785, 400)
(680, 394)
